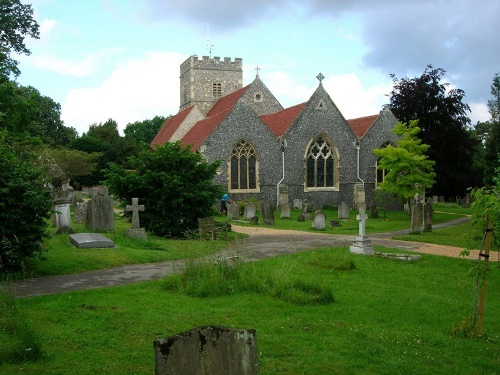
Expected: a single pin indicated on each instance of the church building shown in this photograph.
(309, 150)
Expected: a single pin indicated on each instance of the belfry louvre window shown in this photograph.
(217, 90)
(243, 167)
(321, 164)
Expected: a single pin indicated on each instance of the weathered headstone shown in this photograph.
(428, 212)
(285, 210)
(466, 201)
(80, 212)
(435, 199)
(297, 203)
(250, 211)
(254, 220)
(305, 207)
(283, 195)
(233, 210)
(267, 213)
(90, 240)
(301, 217)
(136, 231)
(361, 244)
(63, 215)
(343, 211)
(416, 218)
(207, 351)
(442, 199)
(100, 215)
(373, 212)
(319, 220)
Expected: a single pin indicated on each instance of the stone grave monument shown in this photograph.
(267, 213)
(207, 351)
(428, 213)
(416, 218)
(250, 211)
(136, 231)
(285, 211)
(283, 195)
(63, 215)
(362, 245)
(100, 215)
(319, 220)
(343, 212)
(297, 204)
(90, 241)
(80, 211)
(233, 210)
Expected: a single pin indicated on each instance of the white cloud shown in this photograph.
(46, 26)
(479, 112)
(138, 90)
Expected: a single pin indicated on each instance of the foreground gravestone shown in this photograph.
(285, 211)
(319, 220)
(80, 212)
(136, 231)
(100, 215)
(343, 211)
(250, 211)
(233, 210)
(90, 241)
(267, 213)
(297, 203)
(207, 351)
(416, 218)
(362, 245)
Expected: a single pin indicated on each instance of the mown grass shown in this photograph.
(387, 317)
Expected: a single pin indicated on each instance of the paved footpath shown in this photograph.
(261, 243)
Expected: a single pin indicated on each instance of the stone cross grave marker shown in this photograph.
(362, 245)
(136, 231)
(135, 208)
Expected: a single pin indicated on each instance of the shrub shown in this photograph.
(25, 204)
(174, 184)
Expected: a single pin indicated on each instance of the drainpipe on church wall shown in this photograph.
(358, 146)
(283, 146)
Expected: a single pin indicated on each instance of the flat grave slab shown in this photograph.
(90, 240)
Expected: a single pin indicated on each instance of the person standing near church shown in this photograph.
(224, 200)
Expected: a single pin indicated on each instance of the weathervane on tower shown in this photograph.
(209, 46)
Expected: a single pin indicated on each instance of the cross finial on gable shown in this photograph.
(257, 69)
(320, 78)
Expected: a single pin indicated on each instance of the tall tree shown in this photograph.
(408, 169)
(443, 118)
(16, 23)
(491, 130)
(144, 131)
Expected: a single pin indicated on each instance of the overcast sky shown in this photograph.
(120, 59)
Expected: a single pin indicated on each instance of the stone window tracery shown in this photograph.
(322, 164)
(243, 167)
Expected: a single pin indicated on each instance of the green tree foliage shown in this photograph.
(443, 119)
(104, 139)
(16, 23)
(408, 169)
(25, 205)
(491, 133)
(30, 117)
(67, 164)
(144, 131)
(173, 183)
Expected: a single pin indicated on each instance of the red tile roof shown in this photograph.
(202, 129)
(361, 125)
(227, 102)
(279, 122)
(170, 126)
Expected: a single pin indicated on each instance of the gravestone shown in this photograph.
(63, 215)
(77, 197)
(233, 210)
(136, 231)
(250, 211)
(319, 220)
(435, 199)
(90, 241)
(466, 201)
(361, 244)
(283, 195)
(100, 215)
(297, 203)
(207, 351)
(442, 199)
(301, 217)
(305, 207)
(80, 211)
(416, 218)
(428, 212)
(285, 211)
(343, 211)
(254, 220)
(267, 213)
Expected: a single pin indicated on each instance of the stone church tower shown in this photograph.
(203, 82)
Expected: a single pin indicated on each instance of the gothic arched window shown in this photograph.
(243, 167)
(322, 164)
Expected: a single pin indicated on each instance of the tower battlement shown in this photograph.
(211, 63)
